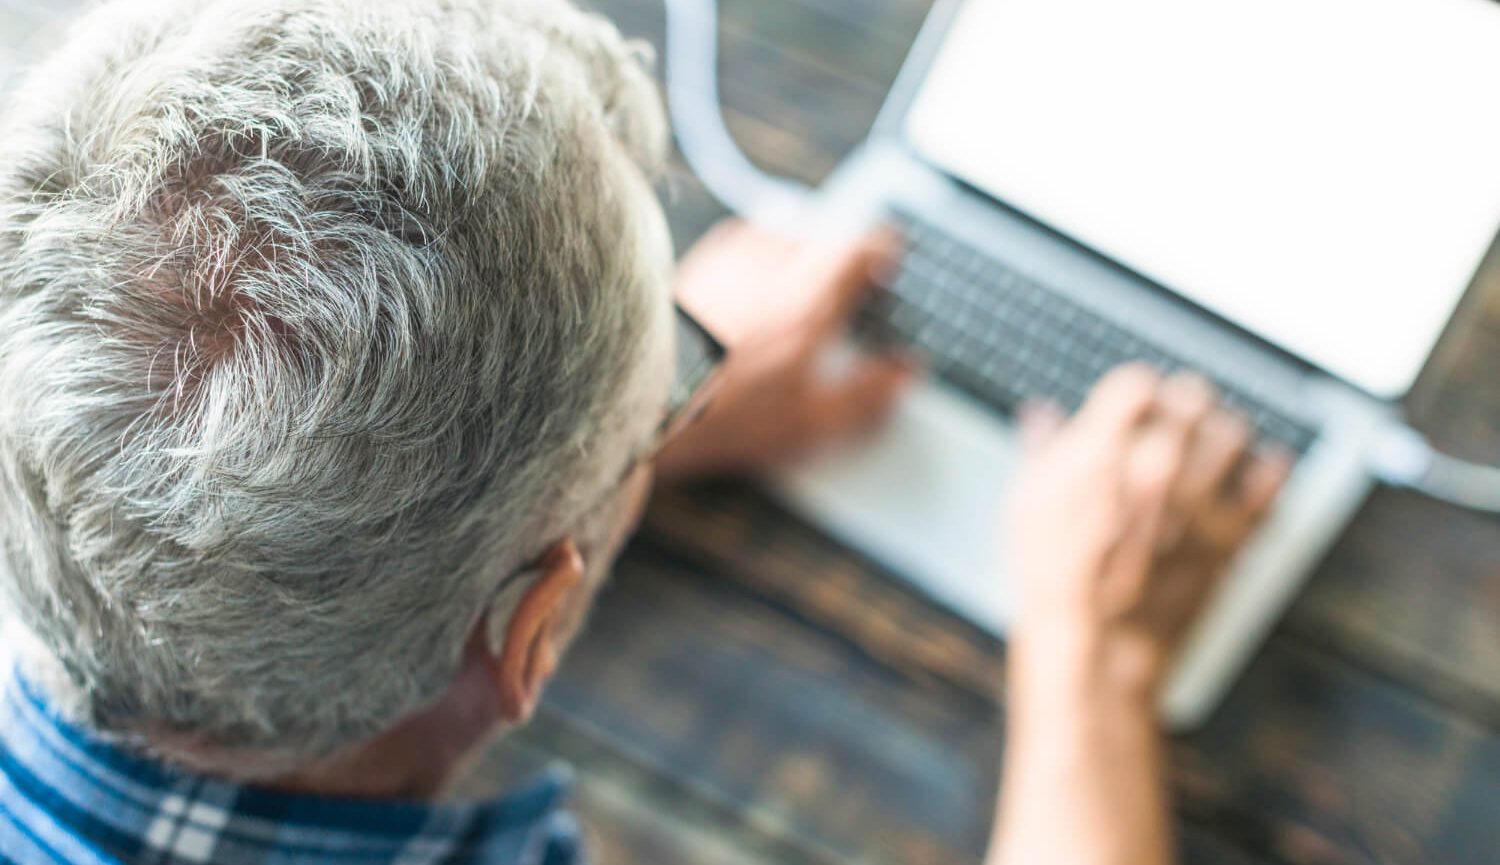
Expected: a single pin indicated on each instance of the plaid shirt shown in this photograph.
(67, 797)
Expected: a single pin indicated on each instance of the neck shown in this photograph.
(420, 756)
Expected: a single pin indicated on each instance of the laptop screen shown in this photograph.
(1323, 173)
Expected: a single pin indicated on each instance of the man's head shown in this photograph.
(323, 323)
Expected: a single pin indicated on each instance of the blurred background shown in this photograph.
(753, 693)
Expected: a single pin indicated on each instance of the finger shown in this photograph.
(1119, 403)
(1262, 482)
(864, 397)
(1219, 449)
(1144, 507)
(847, 273)
(1215, 439)
(1207, 496)
(1153, 528)
(1040, 423)
(1183, 403)
(1226, 524)
(745, 238)
(1186, 397)
(1157, 461)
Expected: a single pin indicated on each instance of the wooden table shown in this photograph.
(750, 692)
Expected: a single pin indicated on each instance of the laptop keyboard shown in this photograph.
(1003, 338)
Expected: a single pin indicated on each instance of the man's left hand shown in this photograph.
(778, 303)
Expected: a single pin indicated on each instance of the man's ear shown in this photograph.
(528, 653)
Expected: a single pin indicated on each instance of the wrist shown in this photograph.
(1082, 668)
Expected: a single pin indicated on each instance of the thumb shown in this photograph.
(863, 398)
(849, 273)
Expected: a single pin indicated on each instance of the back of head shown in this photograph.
(317, 319)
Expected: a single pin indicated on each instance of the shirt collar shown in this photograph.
(85, 800)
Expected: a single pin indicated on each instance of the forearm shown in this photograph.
(1083, 781)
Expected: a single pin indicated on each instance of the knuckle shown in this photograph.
(1155, 474)
(1232, 428)
(1133, 381)
(1188, 396)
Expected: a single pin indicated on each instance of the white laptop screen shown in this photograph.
(1324, 173)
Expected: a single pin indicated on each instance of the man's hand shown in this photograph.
(778, 303)
(1124, 518)
(1121, 523)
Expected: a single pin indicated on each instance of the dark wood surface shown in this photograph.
(750, 692)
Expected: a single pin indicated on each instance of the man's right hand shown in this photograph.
(1124, 518)
(1121, 522)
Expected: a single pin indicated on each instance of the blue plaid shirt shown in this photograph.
(67, 797)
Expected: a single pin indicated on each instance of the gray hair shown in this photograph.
(318, 318)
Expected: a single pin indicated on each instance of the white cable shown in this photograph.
(1402, 457)
(693, 99)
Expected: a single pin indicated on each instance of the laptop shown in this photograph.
(1291, 197)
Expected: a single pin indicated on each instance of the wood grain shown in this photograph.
(1312, 759)
(813, 741)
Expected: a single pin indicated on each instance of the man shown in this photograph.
(336, 350)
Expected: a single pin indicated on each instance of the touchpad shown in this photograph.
(923, 497)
